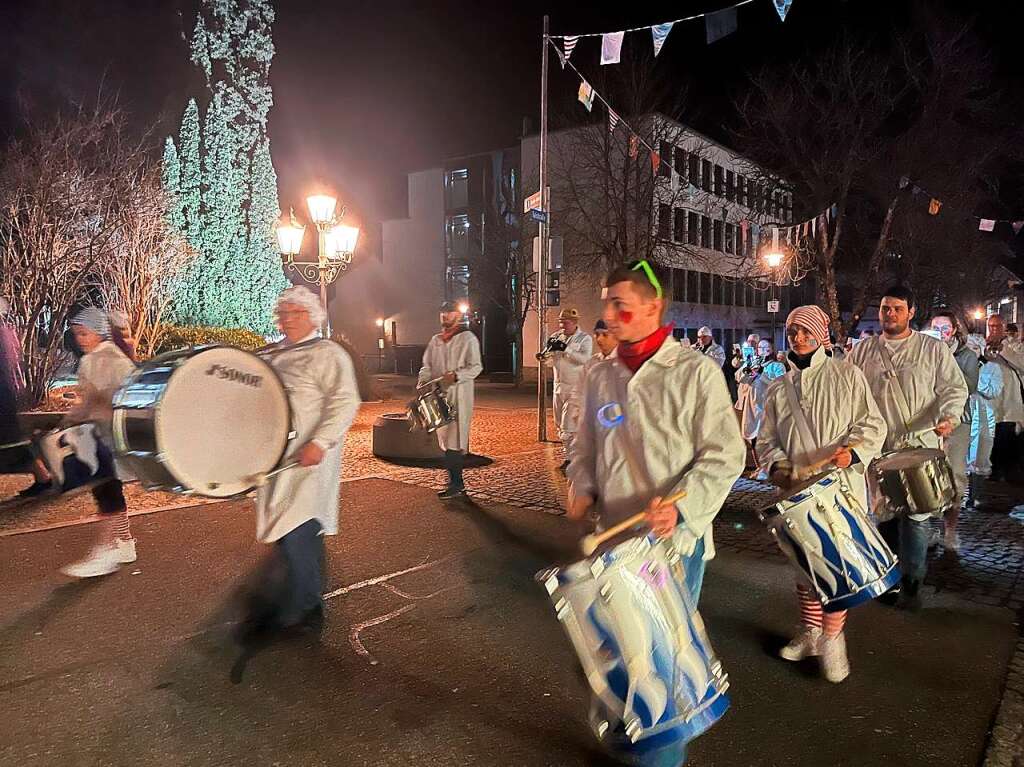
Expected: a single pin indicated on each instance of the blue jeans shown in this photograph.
(910, 541)
(674, 755)
(302, 551)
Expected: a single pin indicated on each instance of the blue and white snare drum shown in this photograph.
(824, 531)
(641, 643)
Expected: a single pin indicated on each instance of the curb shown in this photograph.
(1006, 744)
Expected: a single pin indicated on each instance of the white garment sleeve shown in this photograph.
(426, 373)
(719, 454)
(990, 381)
(867, 426)
(582, 469)
(586, 351)
(469, 365)
(950, 386)
(337, 381)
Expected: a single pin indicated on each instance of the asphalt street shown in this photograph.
(440, 649)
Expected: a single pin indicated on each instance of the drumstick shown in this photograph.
(260, 480)
(809, 471)
(590, 542)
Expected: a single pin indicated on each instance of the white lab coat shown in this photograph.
(568, 366)
(752, 412)
(1008, 402)
(931, 382)
(839, 410)
(714, 351)
(678, 427)
(460, 355)
(324, 398)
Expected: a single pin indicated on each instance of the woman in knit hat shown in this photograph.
(835, 419)
(100, 374)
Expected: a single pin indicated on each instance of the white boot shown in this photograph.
(834, 663)
(806, 644)
(105, 558)
(126, 550)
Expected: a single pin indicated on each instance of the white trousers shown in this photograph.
(957, 446)
(983, 429)
(565, 414)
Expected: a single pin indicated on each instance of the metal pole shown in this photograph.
(542, 266)
(322, 245)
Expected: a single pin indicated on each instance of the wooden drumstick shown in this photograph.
(260, 480)
(814, 468)
(590, 542)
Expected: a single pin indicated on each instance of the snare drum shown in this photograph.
(207, 420)
(916, 481)
(829, 538)
(641, 643)
(431, 409)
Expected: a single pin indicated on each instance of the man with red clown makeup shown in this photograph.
(655, 420)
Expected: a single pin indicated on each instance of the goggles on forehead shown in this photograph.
(645, 267)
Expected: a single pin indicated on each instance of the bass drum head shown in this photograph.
(223, 419)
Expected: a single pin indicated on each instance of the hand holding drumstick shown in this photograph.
(653, 515)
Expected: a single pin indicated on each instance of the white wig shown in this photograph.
(307, 299)
(95, 319)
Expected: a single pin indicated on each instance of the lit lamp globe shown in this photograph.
(289, 239)
(321, 208)
(341, 240)
(463, 307)
(979, 314)
(773, 259)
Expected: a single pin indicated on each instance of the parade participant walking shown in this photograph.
(921, 394)
(818, 411)
(299, 506)
(706, 345)
(742, 363)
(606, 345)
(983, 418)
(957, 444)
(671, 430)
(121, 333)
(102, 370)
(1008, 403)
(453, 356)
(574, 348)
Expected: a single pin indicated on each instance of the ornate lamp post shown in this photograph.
(335, 245)
(774, 260)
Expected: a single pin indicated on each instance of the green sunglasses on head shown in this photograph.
(642, 265)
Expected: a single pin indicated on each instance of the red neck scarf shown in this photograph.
(635, 354)
(447, 334)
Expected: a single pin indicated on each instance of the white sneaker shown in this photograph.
(806, 644)
(834, 663)
(126, 551)
(104, 559)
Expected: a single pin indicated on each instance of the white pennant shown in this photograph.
(611, 47)
(569, 43)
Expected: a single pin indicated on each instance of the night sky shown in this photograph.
(367, 91)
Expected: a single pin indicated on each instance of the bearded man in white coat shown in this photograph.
(921, 394)
(572, 350)
(453, 356)
(299, 506)
(822, 409)
(655, 420)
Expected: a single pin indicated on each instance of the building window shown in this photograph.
(702, 288)
(692, 283)
(679, 225)
(713, 280)
(730, 186)
(718, 245)
(679, 162)
(741, 294)
(693, 165)
(741, 189)
(664, 222)
(457, 236)
(705, 231)
(730, 238)
(664, 168)
(705, 175)
(692, 228)
(678, 284)
(719, 184)
(458, 188)
(726, 292)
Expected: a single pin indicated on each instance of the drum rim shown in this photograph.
(188, 354)
(931, 452)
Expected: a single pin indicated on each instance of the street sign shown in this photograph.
(773, 307)
(531, 203)
(539, 215)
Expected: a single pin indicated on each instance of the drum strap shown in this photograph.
(803, 427)
(890, 373)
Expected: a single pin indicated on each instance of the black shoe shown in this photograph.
(35, 489)
(311, 624)
(564, 468)
(910, 598)
(451, 493)
(891, 597)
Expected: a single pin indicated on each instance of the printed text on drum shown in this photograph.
(231, 374)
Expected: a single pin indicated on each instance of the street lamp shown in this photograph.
(336, 242)
(774, 260)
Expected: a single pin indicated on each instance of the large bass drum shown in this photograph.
(207, 420)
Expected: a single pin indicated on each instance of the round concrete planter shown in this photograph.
(393, 440)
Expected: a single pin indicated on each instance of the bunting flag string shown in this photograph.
(586, 95)
(782, 7)
(935, 205)
(718, 24)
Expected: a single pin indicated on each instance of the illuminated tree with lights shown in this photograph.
(227, 186)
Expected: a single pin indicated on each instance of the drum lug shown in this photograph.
(602, 728)
(606, 592)
(634, 729)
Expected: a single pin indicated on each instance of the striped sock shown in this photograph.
(810, 607)
(833, 623)
(121, 530)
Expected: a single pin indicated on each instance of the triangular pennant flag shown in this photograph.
(673, 180)
(613, 120)
(659, 32)
(720, 24)
(986, 225)
(834, 210)
(814, 227)
(775, 238)
(634, 145)
(933, 207)
(743, 226)
(569, 43)
(586, 95)
(655, 162)
(782, 7)
(1017, 226)
(611, 47)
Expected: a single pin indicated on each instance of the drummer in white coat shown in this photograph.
(822, 409)
(573, 350)
(453, 355)
(921, 393)
(299, 506)
(655, 420)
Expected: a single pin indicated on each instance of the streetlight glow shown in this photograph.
(978, 314)
(341, 240)
(321, 208)
(773, 259)
(289, 238)
(463, 307)
(380, 322)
